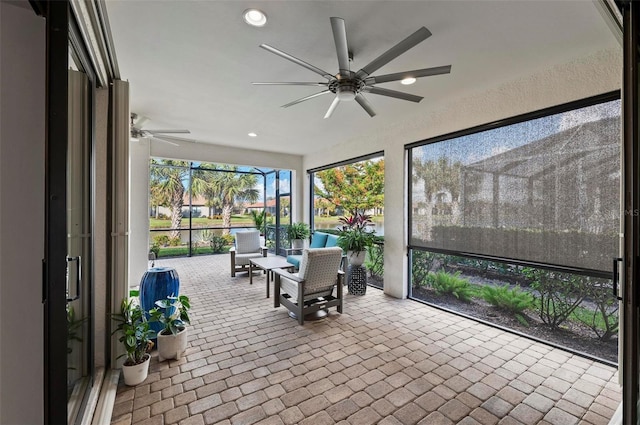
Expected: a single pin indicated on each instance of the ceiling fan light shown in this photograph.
(407, 81)
(255, 17)
(252, 134)
(346, 95)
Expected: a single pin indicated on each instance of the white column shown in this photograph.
(138, 210)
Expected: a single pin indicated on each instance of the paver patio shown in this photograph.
(384, 360)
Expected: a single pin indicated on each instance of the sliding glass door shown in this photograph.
(79, 243)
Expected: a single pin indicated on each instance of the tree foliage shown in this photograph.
(167, 188)
(224, 188)
(438, 175)
(356, 187)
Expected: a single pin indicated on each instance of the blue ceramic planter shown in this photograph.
(157, 284)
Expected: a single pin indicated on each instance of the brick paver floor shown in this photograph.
(384, 360)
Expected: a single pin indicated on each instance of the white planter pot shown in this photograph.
(136, 374)
(172, 346)
(356, 259)
(297, 243)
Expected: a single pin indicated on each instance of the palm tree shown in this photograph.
(228, 187)
(167, 177)
(438, 175)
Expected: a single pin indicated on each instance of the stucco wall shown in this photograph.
(22, 154)
(578, 79)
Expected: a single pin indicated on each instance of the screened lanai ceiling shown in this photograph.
(190, 64)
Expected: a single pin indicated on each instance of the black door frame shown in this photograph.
(54, 263)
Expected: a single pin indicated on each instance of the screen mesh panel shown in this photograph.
(545, 190)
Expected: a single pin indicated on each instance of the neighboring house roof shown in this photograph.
(196, 201)
(270, 203)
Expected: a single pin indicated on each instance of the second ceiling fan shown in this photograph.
(348, 85)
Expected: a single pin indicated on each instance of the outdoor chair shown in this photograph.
(311, 290)
(247, 246)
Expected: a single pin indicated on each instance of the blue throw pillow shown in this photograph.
(332, 240)
(319, 240)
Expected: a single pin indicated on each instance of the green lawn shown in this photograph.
(183, 250)
(236, 220)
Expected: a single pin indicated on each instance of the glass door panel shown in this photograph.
(78, 292)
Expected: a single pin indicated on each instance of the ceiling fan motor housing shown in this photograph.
(346, 88)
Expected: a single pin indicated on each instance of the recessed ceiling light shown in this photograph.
(252, 134)
(255, 17)
(407, 81)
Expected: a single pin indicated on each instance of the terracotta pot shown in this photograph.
(172, 346)
(136, 374)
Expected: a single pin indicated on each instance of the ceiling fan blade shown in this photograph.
(342, 49)
(295, 60)
(295, 102)
(153, 132)
(406, 44)
(291, 84)
(332, 107)
(365, 105)
(393, 93)
(426, 72)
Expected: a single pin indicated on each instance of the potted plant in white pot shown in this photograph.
(173, 314)
(297, 233)
(136, 339)
(355, 237)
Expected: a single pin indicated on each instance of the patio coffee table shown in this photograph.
(267, 264)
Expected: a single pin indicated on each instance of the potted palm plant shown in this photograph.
(136, 339)
(173, 314)
(297, 233)
(355, 237)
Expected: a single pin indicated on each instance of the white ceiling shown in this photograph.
(190, 64)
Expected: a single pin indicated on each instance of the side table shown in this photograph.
(357, 281)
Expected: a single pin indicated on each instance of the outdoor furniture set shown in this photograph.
(309, 291)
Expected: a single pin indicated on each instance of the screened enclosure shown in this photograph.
(195, 208)
(546, 190)
(516, 224)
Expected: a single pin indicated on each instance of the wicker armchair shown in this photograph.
(312, 288)
(247, 247)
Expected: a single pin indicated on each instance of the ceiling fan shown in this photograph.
(348, 85)
(161, 135)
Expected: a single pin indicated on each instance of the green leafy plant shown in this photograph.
(355, 233)
(175, 241)
(155, 248)
(603, 320)
(421, 264)
(162, 240)
(558, 294)
(217, 243)
(298, 230)
(135, 331)
(446, 283)
(172, 313)
(512, 300)
(259, 219)
(375, 260)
